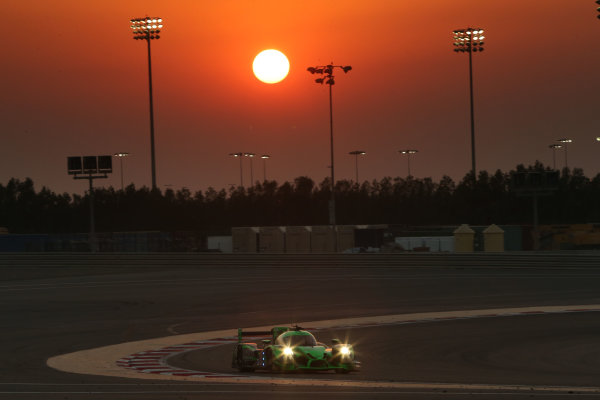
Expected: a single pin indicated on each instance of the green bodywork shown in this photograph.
(303, 353)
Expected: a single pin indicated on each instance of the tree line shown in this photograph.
(403, 201)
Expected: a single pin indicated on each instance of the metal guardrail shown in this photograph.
(472, 260)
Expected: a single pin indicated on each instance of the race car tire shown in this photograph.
(269, 364)
(342, 371)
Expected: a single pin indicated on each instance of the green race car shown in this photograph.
(292, 349)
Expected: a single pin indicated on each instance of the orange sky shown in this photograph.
(75, 83)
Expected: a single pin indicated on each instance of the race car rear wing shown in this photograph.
(252, 334)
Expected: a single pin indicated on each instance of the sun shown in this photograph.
(270, 66)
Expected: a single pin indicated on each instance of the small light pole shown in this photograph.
(239, 155)
(88, 167)
(470, 40)
(148, 29)
(250, 156)
(407, 153)
(265, 157)
(329, 79)
(565, 142)
(357, 153)
(554, 147)
(121, 155)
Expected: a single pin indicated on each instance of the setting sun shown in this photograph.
(271, 66)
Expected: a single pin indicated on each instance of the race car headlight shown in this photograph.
(344, 350)
(287, 351)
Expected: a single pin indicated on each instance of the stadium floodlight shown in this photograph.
(251, 156)
(565, 142)
(407, 153)
(148, 29)
(239, 155)
(470, 40)
(554, 147)
(357, 153)
(121, 155)
(329, 79)
(265, 157)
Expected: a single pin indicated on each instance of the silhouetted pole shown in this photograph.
(265, 157)
(328, 79)
(565, 142)
(121, 155)
(407, 153)
(148, 29)
(470, 40)
(357, 153)
(250, 156)
(554, 147)
(239, 155)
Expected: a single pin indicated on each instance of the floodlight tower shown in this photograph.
(407, 153)
(329, 79)
(250, 156)
(239, 155)
(121, 155)
(148, 29)
(565, 142)
(357, 153)
(265, 157)
(554, 147)
(470, 40)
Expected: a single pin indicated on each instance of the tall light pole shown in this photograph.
(328, 78)
(470, 40)
(357, 153)
(250, 156)
(554, 147)
(121, 155)
(239, 155)
(565, 142)
(265, 157)
(407, 153)
(148, 29)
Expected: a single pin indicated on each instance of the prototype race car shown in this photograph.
(292, 349)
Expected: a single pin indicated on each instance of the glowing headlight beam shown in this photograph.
(288, 351)
(345, 350)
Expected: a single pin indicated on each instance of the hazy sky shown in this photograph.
(74, 82)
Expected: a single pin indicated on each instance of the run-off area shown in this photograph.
(549, 349)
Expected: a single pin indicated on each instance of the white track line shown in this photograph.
(146, 359)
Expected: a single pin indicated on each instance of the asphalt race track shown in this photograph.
(53, 305)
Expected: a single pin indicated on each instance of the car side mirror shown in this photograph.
(335, 341)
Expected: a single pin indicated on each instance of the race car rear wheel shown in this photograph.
(269, 364)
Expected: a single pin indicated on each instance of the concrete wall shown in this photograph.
(224, 244)
(271, 239)
(297, 239)
(245, 239)
(321, 239)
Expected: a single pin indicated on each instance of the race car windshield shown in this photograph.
(297, 340)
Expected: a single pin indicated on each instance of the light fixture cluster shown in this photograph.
(327, 70)
(146, 28)
(470, 39)
(408, 151)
